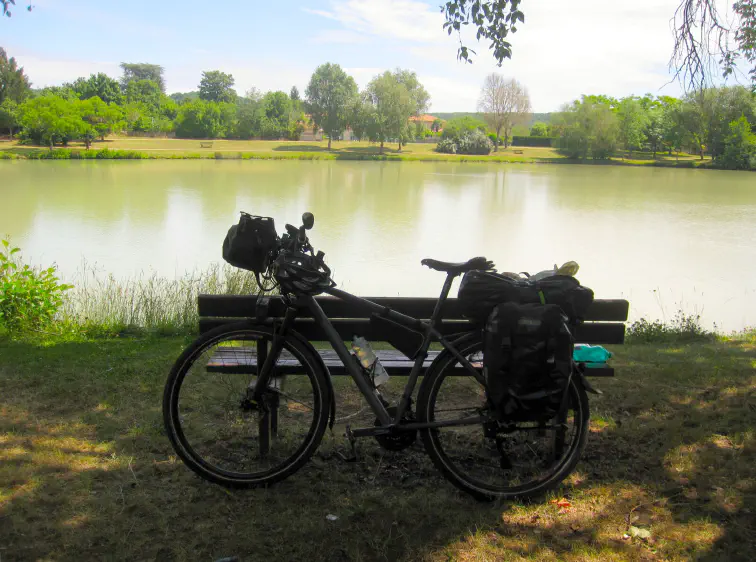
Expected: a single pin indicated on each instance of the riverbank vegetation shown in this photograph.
(715, 123)
(667, 472)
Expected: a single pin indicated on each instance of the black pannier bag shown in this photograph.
(481, 291)
(249, 244)
(527, 360)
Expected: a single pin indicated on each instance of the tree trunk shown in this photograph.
(380, 151)
(87, 143)
(329, 141)
(496, 140)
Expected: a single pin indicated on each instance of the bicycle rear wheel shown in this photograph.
(496, 460)
(215, 427)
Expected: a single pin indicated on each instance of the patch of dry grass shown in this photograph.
(86, 472)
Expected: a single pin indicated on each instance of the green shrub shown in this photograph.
(475, 142)
(447, 146)
(683, 328)
(29, 297)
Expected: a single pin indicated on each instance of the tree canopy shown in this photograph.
(330, 97)
(14, 84)
(217, 86)
(142, 71)
(98, 85)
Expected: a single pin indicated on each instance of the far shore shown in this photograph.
(162, 148)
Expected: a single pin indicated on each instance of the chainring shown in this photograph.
(399, 439)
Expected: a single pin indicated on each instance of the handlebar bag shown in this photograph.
(481, 291)
(250, 244)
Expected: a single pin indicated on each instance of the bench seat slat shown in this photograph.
(235, 360)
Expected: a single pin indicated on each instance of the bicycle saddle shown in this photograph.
(457, 268)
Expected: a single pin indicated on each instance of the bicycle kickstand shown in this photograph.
(352, 447)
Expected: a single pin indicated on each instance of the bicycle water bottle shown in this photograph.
(369, 360)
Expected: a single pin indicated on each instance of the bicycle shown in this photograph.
(272, 411)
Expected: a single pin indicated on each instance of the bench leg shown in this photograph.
(264, 434)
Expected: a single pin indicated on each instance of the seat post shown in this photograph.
(442, 298)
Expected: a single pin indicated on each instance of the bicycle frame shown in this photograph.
(430, 335)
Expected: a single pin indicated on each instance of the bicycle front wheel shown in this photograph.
(494, 460)
(220, 432)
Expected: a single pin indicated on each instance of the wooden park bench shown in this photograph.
(604, 324)
(518, 151)
(206, 144)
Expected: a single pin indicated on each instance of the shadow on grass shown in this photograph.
(87, 472)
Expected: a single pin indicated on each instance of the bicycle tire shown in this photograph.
(427, 396)
(187, 451)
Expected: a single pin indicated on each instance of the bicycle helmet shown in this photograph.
(299, 273)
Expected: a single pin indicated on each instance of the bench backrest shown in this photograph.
(604, 320)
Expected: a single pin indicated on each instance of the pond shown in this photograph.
(665, 239)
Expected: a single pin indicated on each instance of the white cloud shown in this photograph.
(326, 36)
(408, 20)
(53, 72)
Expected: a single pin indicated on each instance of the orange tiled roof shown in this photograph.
(424, 118)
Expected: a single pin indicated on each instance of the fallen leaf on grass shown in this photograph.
(640, 533)
(562, 503)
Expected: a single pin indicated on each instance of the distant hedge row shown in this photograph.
(534, 141)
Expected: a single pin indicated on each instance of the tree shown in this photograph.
(739, 151)
(460, 126)
(589, 128)
(144, 91)
(9, 115)
(47, 120)
(14, 84)
(217, 86)
(437, 125)
(655, 129)
(539, 129)
(419, 98)
(7, 4)
(702, 37)
(275, 117)
(205, 119)
(632, 123)
(387, 107)
(102, 117)
(181, 97)
(142, 71)
(492, 19)
(418, 95)
(504, 104)
(98, 85)
(65, 91)
(331, 95)
(294, 94)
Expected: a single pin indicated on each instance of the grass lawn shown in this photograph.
(86, 472)
(166, 148)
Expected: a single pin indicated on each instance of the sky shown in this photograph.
(564, 49)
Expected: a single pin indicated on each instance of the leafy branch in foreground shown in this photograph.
(7, 4)
(29, 297)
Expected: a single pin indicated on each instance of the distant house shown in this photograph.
(425, 120)
(311, 133)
